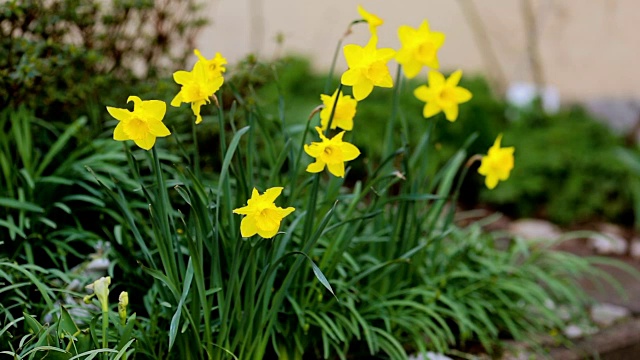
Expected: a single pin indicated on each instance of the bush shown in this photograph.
(57, 56)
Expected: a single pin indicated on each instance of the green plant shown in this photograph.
(71, 332)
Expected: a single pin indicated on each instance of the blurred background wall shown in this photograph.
(586, 49)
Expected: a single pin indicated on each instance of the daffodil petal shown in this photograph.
(436, 79)
(119, 114)
(157, 128)
(454, 78)
(271, 194)
(316, 167)
(362, 89)
(349, 151)
(119, 133)
(336, 169)
(411, 69)
(182, 77)
(451, 112)
(423, 93)
(248, 227)
(430, 109)
(153, 109)
(177, 100)
(350, 77)
(353, 54)
(146, 142)
(462, 95)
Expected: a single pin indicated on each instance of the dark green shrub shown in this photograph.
(56, 56)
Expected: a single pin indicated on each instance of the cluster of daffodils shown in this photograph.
(367, 68)
(197, 87)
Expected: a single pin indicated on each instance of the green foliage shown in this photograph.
(71, 331)
(372, 264)
(567, 170)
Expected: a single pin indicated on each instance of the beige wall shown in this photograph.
(588, 48)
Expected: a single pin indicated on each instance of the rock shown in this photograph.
(573, 331)
(532, 229)
(607, 314)
(635, 248)
(429, 356)
(609, 240)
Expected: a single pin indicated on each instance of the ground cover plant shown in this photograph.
(276, 248)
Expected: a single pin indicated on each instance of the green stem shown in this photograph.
(105, 325)
(196, 152)
(388, 141)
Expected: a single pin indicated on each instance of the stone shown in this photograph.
(635, 248)
(573, 331)
(609, 240)
(429, 356)
(534, 229)
(607, 314)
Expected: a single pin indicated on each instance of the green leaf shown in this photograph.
(20, 205)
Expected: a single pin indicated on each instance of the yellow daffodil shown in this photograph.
(343, 116)
(262, 215)
(442, 95)
(373, 20)
(419, 48)
(497, 164)
(367, 68)
(214, 67)
(143, 124)
(197, 88)
(331, 153)
(100, 289)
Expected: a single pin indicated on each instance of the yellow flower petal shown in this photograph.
(271, 194)
(430, 109)
(248, 227)
(146, 142)
(462, 95)
(336, 169)
(153, 109)
(119, 114)
(182, 77)
(157, 128)
(436, 80)
(451, 112)
(119, 133)
(362, 89)
(316, 167)
(349, 151)
(353, 54)
(454, 78)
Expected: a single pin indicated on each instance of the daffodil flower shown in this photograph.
(419, 48)
(197, 88)
(343, 116)
(263, 217)
(371, 19)
(367, 68)
(143, 124)
(213, 67)
(332, 153)
(497, 164)
(442, 95)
